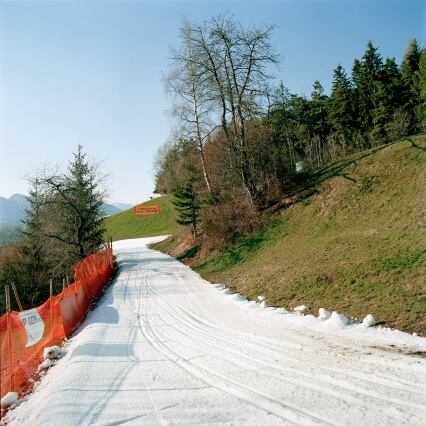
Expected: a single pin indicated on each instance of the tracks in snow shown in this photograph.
(286, 380)
(165, 347)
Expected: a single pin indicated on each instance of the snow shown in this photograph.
(324, 314)
(369, 321)
(338, 320)
(301, 308)
(52, 352)
(9, 400)
(47, 363)
(166, 347)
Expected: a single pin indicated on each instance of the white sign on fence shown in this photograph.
(34, 326)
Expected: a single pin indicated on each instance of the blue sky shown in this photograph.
(89, 72)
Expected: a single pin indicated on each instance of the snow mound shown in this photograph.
(52, 352)
(369, 321)
(47, 363)
(338, 320)
(324, 314)
(301, 308)
(9, 400)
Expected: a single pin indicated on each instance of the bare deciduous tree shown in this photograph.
(220, 77)
(187, 83)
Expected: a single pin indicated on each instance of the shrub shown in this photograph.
(229, 218)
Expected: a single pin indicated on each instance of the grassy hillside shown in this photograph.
(354, 241)
(126, 224)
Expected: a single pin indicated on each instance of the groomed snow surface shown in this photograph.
(166, 347)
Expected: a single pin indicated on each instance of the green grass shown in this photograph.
(355, 242)
(356, 245)
(126, 224)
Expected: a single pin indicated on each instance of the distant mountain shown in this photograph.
(12, 209)
(123, 206)
(109, 209)
(19, 198)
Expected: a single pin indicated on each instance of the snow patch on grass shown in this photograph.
(369, 321)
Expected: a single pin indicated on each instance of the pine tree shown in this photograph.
(64, 221)
(83, 201)
(35, 241)
(420, 83)
(31, 273)
(394, 116)
(366, 79)
(340, 111)
(409, 67)
(188, 206)
(388, 100)
(318, 125)
(319, 106)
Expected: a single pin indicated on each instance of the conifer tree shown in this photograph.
(188, 205)
(365, 75)
(388, 99)
(83, 201)
(340, 111)
(420, 82)
(319, 104)
(64, 220)
(35, 241)
(410, 65)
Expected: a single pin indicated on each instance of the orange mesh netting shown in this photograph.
(24, 335)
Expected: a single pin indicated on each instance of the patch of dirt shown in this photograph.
(184, 243)
(394, 349)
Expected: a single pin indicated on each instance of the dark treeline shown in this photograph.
(238, 137)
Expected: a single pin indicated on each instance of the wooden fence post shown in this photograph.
(10, 345)
(9, 338)
(6, 288)
(111, 257)
(15, 291)
(51, 307)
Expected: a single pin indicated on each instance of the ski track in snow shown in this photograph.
(166, 347)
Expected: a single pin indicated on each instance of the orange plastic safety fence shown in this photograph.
(24, 335)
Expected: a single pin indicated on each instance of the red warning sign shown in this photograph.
(146, 210)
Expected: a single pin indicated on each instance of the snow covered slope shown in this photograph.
(166, 347)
